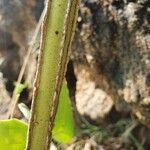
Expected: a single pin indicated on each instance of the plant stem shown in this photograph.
(57, 33)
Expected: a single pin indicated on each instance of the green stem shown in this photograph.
(57, 33)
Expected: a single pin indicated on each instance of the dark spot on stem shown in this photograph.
(56, 32)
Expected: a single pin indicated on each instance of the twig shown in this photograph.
(16, 96)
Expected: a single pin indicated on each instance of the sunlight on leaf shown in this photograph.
(64, 129)
(12, 134)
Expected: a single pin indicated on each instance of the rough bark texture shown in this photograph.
(111, 52)
(113, 43)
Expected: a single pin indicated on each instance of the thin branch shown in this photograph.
(16, 96)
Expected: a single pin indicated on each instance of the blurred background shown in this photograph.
(108, 74)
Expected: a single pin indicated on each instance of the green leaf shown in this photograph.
(64, 128)
(19, 87)
(12, 134)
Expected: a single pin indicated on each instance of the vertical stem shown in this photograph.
(57, 33)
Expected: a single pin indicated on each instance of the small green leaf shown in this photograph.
(64, 128)
(12, 134)
(19, 87)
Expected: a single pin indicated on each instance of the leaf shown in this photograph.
(64, 128)
(12, 134)
(19, 87)
(25, 110)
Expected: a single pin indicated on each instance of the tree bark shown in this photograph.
(113, 42)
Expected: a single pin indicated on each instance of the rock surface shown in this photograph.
(113, 42)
